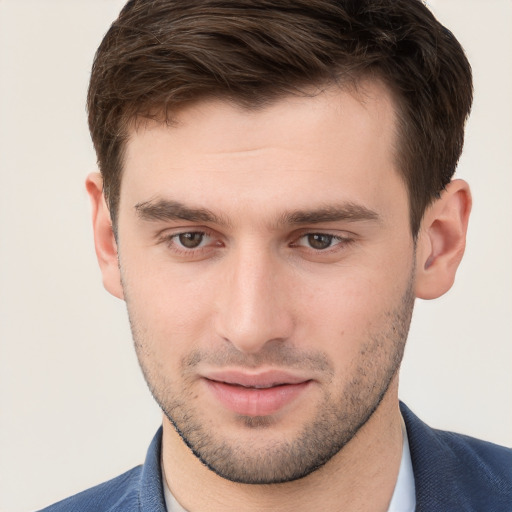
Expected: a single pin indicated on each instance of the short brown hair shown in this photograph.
(159, 54)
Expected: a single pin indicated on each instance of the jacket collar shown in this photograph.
(151, 490)
(444, 467)
(453, 472)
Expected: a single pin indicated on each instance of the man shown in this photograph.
(276, 189)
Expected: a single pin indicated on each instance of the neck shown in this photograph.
(362, 476)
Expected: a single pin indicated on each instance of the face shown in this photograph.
(268, 266)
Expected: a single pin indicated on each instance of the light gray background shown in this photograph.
(74, 409)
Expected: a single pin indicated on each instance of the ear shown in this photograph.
(442, 240)
(104, 240)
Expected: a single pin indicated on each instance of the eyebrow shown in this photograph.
(333, 213)
(164, 209)
(169, 210)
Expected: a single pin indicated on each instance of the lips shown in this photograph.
(260, 394)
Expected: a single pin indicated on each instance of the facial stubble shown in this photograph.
(340, 414)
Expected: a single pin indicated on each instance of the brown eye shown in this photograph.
(191, 240)
(319, 241)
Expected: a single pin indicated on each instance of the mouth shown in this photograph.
(256, 394)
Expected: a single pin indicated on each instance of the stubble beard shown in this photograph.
(340, 414)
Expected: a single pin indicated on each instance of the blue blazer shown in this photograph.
(452, 473)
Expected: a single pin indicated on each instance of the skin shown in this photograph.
(277, 282)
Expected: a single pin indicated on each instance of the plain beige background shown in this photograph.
(74, 409)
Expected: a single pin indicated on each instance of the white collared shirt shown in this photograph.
(404, 495)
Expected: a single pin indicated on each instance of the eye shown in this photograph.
(319, 241)
(190, 240)
(190, 245)
(187, 243)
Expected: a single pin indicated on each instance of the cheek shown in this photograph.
(341, 311)
(169, 310)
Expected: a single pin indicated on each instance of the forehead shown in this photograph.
(331, 143)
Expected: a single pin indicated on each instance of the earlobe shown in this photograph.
(104, 240)
(442, 240)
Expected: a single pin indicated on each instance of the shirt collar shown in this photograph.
(404, 495)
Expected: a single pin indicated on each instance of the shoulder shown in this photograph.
(466, 453)
(488, 459)
(120, 493)
(139, 489)
(480, 462)
(458, 472)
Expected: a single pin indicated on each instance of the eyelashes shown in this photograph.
(191, 243)
(200, 243)
(320, 241)
(190, 239)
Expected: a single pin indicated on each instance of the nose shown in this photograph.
(253, 306)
